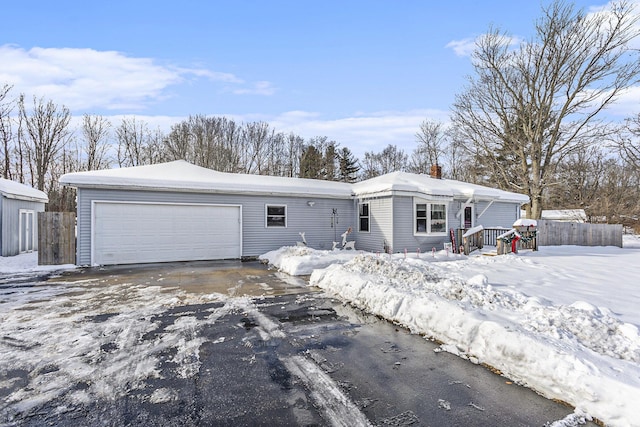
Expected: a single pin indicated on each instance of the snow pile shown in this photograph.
(302, 260)
(541, 318)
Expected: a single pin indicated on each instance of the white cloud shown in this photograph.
(88, 78)
(361, 132)
(258, 88)
(626, 105)
(464, 47)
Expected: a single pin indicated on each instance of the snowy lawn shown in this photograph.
(563, 321)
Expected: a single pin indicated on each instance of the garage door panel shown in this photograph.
(126, 233)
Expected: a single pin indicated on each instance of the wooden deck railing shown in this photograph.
(470, 242)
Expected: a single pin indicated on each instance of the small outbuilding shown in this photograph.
(19, 207)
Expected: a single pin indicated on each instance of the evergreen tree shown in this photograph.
(311, 163)
(348, 166)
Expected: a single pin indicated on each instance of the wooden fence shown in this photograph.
(548, 233)
(555, 233)
(56, 238)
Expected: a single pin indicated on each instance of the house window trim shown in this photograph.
(368, 217)
(266, 215)
(429, 204)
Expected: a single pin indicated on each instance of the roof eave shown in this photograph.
(138, 187)
(25, 198)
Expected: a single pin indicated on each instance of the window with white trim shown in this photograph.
(276, 215)
(430, 218)
(363, 217)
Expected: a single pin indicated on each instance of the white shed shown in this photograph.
(19, 206)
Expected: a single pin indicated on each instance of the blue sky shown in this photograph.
(363, 73)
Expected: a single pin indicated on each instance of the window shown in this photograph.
(421, 218)
(276, 215)
(438, 218)
(431, 218)
(363, 217)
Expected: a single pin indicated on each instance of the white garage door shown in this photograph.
(129, 233)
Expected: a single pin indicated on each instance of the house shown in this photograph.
(177, 211)
(19, 205)
(403, 210)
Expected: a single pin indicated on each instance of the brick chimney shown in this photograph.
(436, 171)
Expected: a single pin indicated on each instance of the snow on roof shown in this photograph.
(425, 184)
(577, 215)
(182, 175)
(16, 190)
(524, 222)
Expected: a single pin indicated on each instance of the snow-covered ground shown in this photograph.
(25, 264)
(563, 320)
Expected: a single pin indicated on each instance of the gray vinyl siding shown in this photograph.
(10, 220)
(380, 225)
(314, 221)
(499, 214)
(404, 223)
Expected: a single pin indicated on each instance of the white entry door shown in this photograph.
(26, 226)
(131, 233)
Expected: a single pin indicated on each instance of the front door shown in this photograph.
(468, 217)
(27, 231)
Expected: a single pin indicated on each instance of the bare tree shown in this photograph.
(293, 153)
(391, 159)
(95, 130)
(432, 145)
(43, 132)
(528, 108)
(6, 130)
(257, 137)
(629, 141)
(136, 144)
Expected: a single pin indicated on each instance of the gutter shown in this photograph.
(209, 191)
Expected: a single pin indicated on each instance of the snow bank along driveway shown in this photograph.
(562, 321)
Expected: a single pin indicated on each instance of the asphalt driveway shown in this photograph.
(229, 343)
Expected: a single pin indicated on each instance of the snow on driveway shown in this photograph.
(563, 320)
(81, 341)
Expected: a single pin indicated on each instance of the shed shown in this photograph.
(19, 205)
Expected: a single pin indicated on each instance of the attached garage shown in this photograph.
(127, 232)
(177, 211)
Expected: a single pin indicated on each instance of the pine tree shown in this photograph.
(348, 166)
(311, 163)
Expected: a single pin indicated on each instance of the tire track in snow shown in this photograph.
(335, 406)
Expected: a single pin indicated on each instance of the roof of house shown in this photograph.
(403, 182)
(15, 190)
(184, 176)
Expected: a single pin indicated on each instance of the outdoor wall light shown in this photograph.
(311, 203)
